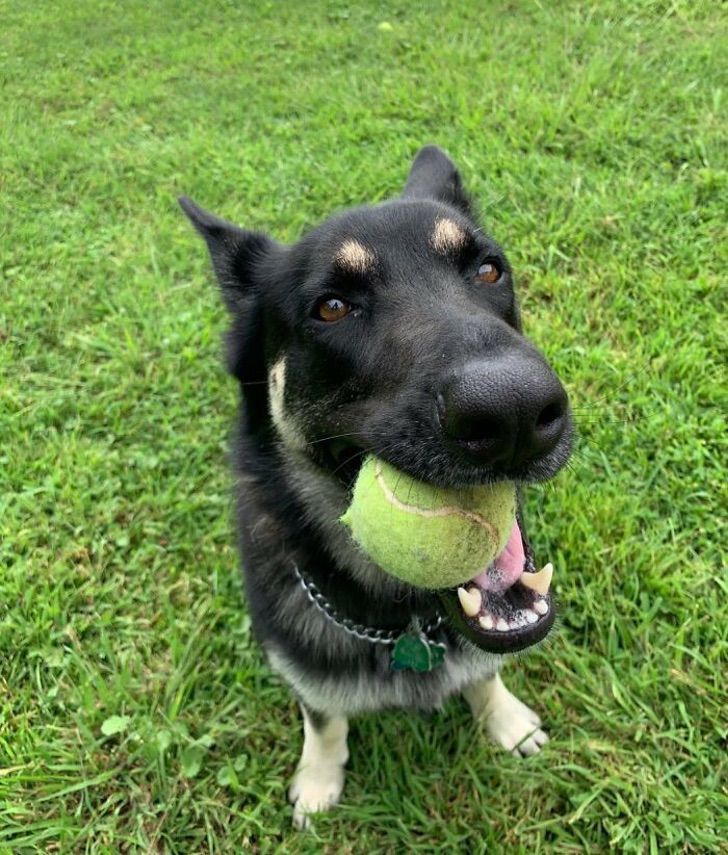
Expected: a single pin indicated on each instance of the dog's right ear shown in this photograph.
(434, 176)
(234, 252)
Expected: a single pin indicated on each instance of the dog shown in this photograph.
(390, 330)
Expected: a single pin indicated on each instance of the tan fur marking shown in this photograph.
(447, 235)
(354, 256)
(285, 425)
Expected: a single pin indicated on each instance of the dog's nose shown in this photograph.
(506, 410)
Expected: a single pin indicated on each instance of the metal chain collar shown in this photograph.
(363, 633)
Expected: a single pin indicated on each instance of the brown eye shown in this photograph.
(332, 309)
(489, 272)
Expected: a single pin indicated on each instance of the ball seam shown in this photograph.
(429, 513)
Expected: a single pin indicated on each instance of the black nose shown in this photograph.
(507, 410)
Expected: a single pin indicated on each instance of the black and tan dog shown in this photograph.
(391, 329)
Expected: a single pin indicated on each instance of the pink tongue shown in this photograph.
(507, 567)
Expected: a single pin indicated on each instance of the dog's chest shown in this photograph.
(374, 685)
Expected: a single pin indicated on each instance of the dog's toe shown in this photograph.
(532, 744)
(315, 789)
(516, 727)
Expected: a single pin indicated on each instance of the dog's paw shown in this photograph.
(314, 789)
(515, 727)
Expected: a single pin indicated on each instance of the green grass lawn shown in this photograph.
(135, 711)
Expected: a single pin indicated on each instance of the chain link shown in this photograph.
(363, 633)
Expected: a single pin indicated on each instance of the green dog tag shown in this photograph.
(416, 653)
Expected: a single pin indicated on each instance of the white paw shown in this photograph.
(315, 789)
(515, 727)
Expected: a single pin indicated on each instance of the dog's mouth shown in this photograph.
(505, 608)
(508, 606)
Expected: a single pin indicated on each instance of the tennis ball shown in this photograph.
(431, 537)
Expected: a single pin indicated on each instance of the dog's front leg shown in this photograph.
(319, 778)
(509, 722)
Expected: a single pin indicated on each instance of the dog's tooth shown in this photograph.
(539, 582)
(502, 626)
(470, 600)
(486, 621)
(541, 607)
(531, 616)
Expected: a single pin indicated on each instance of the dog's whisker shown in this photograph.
(606, 398)
(333, 436)
(360, 453)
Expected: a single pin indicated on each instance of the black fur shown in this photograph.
(429, 370)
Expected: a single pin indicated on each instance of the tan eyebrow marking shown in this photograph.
(447, 235)
(355, 257)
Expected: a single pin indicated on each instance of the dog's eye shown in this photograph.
(332, 309)
(489, 272)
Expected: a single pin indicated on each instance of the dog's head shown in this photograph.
(394, 329)
(391, 329)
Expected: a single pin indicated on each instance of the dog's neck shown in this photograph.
(324, 499)
(407, 621)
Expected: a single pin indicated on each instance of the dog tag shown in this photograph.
(416, 653)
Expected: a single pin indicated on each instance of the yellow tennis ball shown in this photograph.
(431, 537)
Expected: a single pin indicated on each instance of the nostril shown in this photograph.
(468, 428)
(479, 430)
(549, 414)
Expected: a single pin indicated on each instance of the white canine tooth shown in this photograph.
(541, 607)
(531, 616)
(486, 621)
(502, 626)
(539, 582)
(470, 601)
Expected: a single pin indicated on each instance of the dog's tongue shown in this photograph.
(507, 567)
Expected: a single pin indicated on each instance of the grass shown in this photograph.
(135, 711)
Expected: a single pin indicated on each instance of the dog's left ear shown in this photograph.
(434, 176)
(234, 253)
